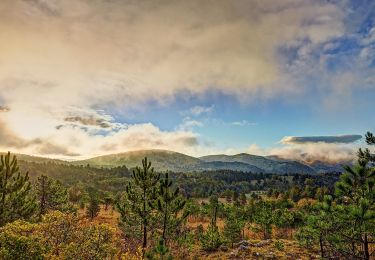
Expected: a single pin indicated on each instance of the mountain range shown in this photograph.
(164, 160)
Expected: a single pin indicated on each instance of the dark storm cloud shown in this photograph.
(88, 121)
(344, 139)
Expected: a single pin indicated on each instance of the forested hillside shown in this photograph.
(61, 211)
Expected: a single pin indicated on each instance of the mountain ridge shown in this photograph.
(166, 160)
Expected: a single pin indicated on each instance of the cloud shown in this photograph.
(4, 109)
(76, 142)
(312, 152)
(346, 139)
(243, 123)
(159, 47)
(10, 141)
(198, 110)
(189, 124)
(64, 62)
(332, 149)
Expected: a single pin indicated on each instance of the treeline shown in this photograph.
(195, 184)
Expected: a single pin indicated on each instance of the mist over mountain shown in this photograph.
(165, 160)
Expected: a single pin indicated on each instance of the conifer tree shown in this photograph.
(52, 196)
(212, 238)
(140, 198)
(320, 226)
(233, 228)
(169, 204)
(94, 206)
(16, 199)
(357, 189)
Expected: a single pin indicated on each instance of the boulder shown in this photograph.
(243, 248)
(242, 243)
(263, 243)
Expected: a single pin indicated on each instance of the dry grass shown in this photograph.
(291, 248)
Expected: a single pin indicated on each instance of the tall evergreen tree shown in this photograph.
(169, 204)
(233, 228)
(357, 190)
(140, 197)
(94, 206)
(16, 199)
(52, 196)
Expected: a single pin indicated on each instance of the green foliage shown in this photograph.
(211, 240)
(94, 206)
(159, 252)
(346, 226)
(52, 196)
(279, 245)
(263, 218)
(320, 226)
(57, 236)
(233, 229)
(140, 198)
(19, 240)
(16, 199)
(170, 204)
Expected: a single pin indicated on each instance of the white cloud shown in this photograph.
(199, 110)
(63, 61)
(311, 152)
(243, 123)
(188, 124)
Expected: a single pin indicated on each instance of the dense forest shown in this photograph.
(50, 210)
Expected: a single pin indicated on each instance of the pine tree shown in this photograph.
(212, 238)
(16, 199)
(94, 207)
(357, 188)
(52, 196)
(169, 204)
(320, 226)
(262, 216)
(140, 198)
(233, 228)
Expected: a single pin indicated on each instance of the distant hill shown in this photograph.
(37, 159)
(266, 164)
(164, 160)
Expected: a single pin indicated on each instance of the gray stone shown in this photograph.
(263, 243)
(243, 248)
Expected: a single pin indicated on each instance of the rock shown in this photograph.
(223, 248)
(256, 254)
(243, 248)
(243, 243)
(263, 243)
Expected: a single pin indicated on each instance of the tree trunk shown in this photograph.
(366, 249)
(42, 197)
(165, 224)
(321, 246)
(144, 246)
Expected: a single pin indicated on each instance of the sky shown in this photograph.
(81, 78)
